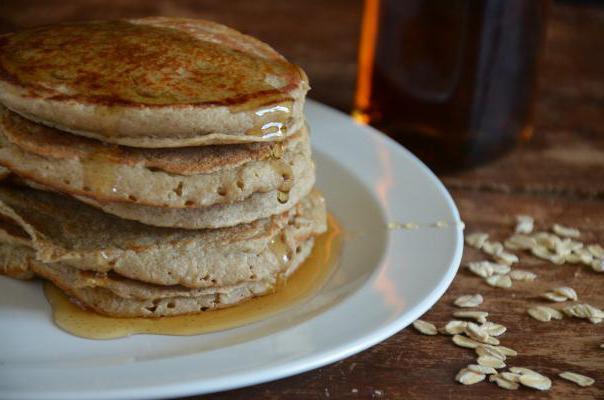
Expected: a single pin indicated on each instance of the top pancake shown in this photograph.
(152, 82)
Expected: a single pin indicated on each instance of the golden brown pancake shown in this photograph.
(63, 230)
(189, 177)
(113, 295)
(52, 143)
(152, 82)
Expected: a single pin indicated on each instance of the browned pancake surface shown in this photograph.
(49, 142)
(148, 62)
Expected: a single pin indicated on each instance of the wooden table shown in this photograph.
(557, 177)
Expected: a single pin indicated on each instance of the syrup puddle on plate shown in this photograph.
(310, 276)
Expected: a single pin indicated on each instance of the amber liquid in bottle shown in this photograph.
(452, 80)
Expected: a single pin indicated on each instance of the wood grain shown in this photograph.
(557, 177)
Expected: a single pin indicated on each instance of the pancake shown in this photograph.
(190, 177)
(152, 82)
(67, 231)
(257, 206)
(121, 297)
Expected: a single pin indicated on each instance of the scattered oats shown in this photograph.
(562, 251)
(544, 313)
(544, 253)
(481, 268)
(355, 390)
(598, 265)
(490, 361)
(546, 239)
(506, 351)
(503, 383)
(531, 378)
(522, 275)
(586, 259)
(594, 311)
(565, 231)
(584, 255)
(510, 376)
(469, 300)
(500, 352)
(602, 346)
(522, 371)
(479, 316)
(572, 258)
(467, 377)
(476, 332)
(579, 379)
(556, 314)
(481, 369)
(378, 392)
(536, 381)
(581, 310)
(524, 224)
(554, 297)
(539, 314)
(567, 246)
(425, 327)
(494, 329)
(594, 314)
(441, 224)
(573, 245)
(492, 248)
(567, 292)
(464, 341)
(455, 327)
(596, 250)
(485, 269)
(541, 252)
(490, 351)
(502, 281)
(492, 341)
(506, 258)
(501, 269)
(558, 259)
(520, 242)
(477, 239)
(561, 294)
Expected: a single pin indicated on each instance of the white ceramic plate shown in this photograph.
(385, 280)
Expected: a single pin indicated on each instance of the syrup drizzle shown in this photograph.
(272, 121)
(301, 285)
(99, 173)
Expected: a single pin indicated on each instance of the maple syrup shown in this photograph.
(303, 283)
(99, 173)
(272, 120)
(452, 80)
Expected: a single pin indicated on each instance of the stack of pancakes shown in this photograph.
(157, 166)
